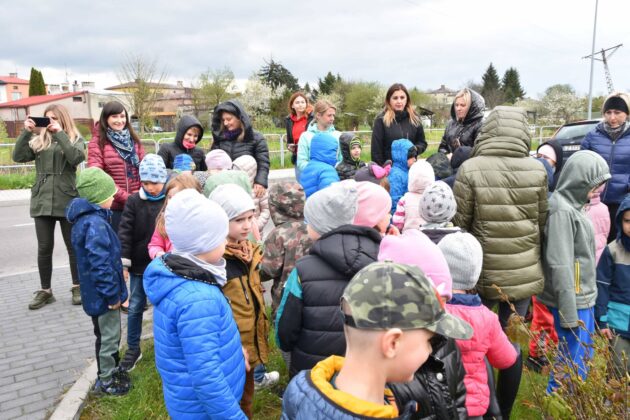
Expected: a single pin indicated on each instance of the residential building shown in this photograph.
(12, 88)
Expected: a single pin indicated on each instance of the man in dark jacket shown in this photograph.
(238, 138)
(189, 134)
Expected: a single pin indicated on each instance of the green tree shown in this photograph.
(211, 88)
(419, 98)
(561, 104)
(358, 101)
(326, 86)
(3, 130)
(275, 75)
(36, 85)
(511, 86)
(491, 87)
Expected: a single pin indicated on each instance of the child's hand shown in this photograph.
(126, 274)
(606, 333)
(159, 254)
(114, 307)
(259, 190)
(246, 356)
(392, 230)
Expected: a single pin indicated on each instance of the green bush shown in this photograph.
(17, 181)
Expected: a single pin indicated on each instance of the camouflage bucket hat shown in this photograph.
(387, 295)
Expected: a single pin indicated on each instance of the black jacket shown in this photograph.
(312, 327)
(438, 386)
(401, 128)
(136, 227)
(348, 167)
(254, 143)
(168, 151)
(466, 131)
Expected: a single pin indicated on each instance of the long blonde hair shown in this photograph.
(44, 139)
(389, 114)
(181, 181)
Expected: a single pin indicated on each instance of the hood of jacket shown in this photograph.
(185, 123)
(80, 206)
(168, 272)
(421, 175)
(344, 144)
(233, 107)
(504, 133)
(557, 147)
(324, 148)
(247, 164)
(475, 112)
(624, 206)
(348, 248)
(400, 148)
(583, 171)
(286, 202)
(312, 127)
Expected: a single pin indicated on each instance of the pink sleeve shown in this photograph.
(158, 244)
(501, 353)
(398, 219)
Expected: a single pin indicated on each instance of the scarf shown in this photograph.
(242, 250)
(218, 270)
(150, 197)
(231, 134)
(614, 133)
(121, 140)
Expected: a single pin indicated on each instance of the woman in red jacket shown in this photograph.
(300, 116)
(116, 149)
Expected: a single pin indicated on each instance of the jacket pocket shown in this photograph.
(576, 276)
(618, 316)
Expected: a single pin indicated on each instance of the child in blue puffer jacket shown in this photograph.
(103, 289)
(198, 349)
(320, 171)
(404, 154)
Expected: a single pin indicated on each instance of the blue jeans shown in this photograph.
(259, 372)
(575, 345)
(137, 301)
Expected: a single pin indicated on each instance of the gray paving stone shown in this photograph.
(8, 396)
(20, 402)
(12, 414)
(19, 385)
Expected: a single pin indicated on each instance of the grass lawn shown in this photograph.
(145, 399)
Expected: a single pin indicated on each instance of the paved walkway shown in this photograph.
(43, 352)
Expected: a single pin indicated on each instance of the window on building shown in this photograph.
(16, 95)
(77, 99)
(15, 87)
(101, 104)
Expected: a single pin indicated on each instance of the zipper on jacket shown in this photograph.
(244, 290)
(576, 274)
(610, 158)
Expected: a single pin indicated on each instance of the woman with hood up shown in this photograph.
(465, 123)
(189, 134)
(232, 132)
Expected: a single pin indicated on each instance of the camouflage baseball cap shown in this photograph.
(387, 295)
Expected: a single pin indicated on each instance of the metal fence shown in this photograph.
(278, 153)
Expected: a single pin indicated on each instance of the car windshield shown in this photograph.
(574, 132)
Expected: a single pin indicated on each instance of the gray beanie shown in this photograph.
(331, 207)
(437, 204)
(233, 199)
(194, 224)
(464, 257)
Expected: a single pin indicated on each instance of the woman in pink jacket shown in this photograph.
(116, 149)
(464, 256)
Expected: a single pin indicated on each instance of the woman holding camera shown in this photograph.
(57, 150)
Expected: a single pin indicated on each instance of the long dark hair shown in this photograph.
(389, 114)
(113, 108)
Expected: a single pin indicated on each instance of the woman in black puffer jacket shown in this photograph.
(465, 123)
(232, 132)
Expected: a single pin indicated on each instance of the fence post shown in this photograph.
(282, 150)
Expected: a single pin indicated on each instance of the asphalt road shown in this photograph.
(18, 243)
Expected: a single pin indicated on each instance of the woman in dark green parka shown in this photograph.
(56, 150)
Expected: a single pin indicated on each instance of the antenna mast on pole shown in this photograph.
(604, 60)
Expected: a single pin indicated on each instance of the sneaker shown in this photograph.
(536, 364)
(76, 295)
(40, 299)
(130, 360)
(268, 380)
(113, 387)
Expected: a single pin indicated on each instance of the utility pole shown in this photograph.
(604, 59)
(590, 84)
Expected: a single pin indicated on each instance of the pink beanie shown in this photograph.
(415, 248)
(218, 159)
(374, 204)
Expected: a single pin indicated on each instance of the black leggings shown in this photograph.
(45, 231)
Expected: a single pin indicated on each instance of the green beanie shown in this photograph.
(95, 185)
(355, 142)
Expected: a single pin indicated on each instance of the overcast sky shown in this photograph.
(423, 43)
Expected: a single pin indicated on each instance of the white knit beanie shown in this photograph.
(233, 199)
(194, 224)
(464, 257)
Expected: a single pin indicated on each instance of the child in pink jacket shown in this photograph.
(407, 215)
(600, 217)
(464, 257)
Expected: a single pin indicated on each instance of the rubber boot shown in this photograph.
(494, 411)
(508, 383)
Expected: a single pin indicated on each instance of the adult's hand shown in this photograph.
(246, 356)
(606, 332)
(259, 190)
(114, 307)
(54, 127)
(29, 124)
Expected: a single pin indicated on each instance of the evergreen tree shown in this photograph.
(511, 86)
(491, 87)
(36, 85)
(307, 88)
(275, 75)
(326, 86)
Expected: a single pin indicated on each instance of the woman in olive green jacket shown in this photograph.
(56, 150)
